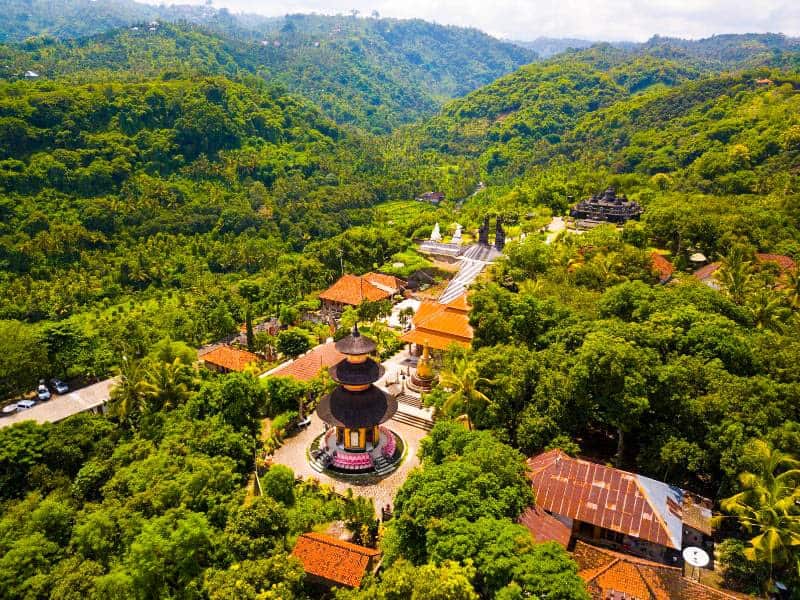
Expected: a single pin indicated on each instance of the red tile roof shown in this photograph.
(353, 290)
(784, 262)
(606, 497)
(395, 284)
(707, 272)
(230, 358)
(545, 527)
(612, 575)
(440, 325)
(309, 365)
(663, 266)
(334, 561)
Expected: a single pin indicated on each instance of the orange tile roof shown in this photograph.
(784, 262)
(353, 290)
(230, 358)
(388, 281)
(432, 340)
(606, 572)
(309, 365)
(611, 498)
(441, 325)
(663, 266)
(544, 527)
(707, 272)
(335, 561)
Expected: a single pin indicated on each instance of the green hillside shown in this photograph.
(375, 73)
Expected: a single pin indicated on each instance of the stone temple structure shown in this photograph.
(356, 440)
(606, 207)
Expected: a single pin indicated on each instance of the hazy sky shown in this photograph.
(594, 19)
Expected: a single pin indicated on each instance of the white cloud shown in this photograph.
(593, 19)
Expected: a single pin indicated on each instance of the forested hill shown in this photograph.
(541, 102)
(716, 53)
(78, 18)
(375, 73)
(642, 114)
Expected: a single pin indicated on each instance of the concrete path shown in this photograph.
(556, 226)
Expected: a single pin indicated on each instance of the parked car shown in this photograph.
(304, 422)
(42, 392)
(26, 404)
(58, 386)
(8, 409)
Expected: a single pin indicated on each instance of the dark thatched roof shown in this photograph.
(348, 373)
(355, 343)
(343, 408)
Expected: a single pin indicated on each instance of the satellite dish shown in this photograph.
(696, 557)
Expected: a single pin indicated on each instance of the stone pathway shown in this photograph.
(380, 491)
(556, 226)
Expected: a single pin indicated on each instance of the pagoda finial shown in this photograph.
(355, 332)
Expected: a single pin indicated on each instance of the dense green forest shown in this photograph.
(375, 73)
(158, 188)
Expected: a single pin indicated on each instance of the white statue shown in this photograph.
(457, 235)
(436, 235)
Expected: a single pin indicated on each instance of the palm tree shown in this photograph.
(462, 381)
(166, 385)
(767, 309)
(127, 396)
(735, 274)
(792, 289)
(769, 505)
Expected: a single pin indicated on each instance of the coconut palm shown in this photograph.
(127, 396)
(768, 309)
(769, 506)
(166, 385)
(461, 382)
(792, 289)
(736, 274)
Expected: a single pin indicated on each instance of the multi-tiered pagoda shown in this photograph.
(355, 411)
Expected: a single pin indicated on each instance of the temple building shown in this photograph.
(355, 411)
(605, 208)
(438, 325)
(352, 290)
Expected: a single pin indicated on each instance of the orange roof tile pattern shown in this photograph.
(230, 358)
(333, 560)
(664, 267)
(387, 281)
(784, 262)
(545, 527)
(603, 496)
(613, 575)
(707, 272)
(308, 366)
(441, 325)
(353, 290)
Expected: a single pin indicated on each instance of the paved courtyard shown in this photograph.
(380, 490)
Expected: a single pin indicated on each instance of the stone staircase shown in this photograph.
(414, 401)
(383, 466)
(467, 273)
(414, 420)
